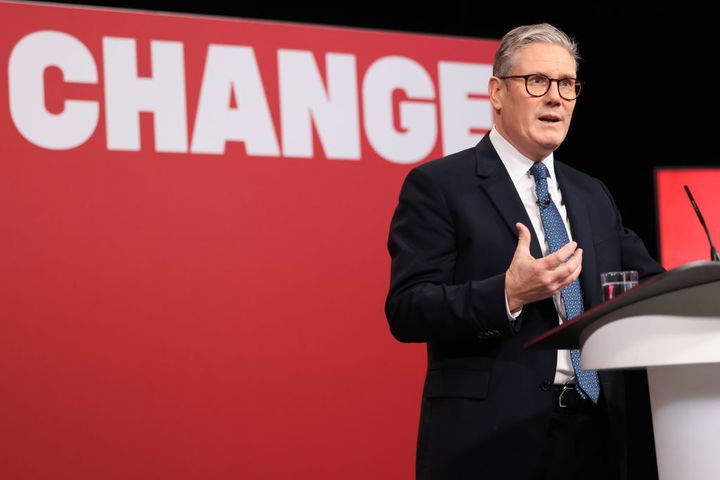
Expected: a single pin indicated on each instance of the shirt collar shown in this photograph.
(515, 162)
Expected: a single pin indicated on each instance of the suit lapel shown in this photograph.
(582, 234)
(498, 186)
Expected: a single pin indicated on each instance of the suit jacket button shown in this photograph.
(545, 386)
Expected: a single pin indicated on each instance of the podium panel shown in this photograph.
(685, 402)
(671, 326)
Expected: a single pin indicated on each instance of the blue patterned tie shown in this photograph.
(586, 380)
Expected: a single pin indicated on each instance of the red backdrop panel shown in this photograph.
(682, 238)
(202, 316)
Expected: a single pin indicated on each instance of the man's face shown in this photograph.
(536, 126)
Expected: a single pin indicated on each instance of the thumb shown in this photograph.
(524, 237)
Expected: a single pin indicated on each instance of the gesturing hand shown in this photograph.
(531, 279)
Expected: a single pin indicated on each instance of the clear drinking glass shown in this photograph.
(615, 283)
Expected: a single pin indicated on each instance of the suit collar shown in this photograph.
(495, 181)
(582, 232)
(515, 162)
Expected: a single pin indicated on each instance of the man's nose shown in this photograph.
(553, 94)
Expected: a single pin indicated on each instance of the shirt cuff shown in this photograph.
(511, 316)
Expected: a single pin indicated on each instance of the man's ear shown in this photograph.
(496, 93)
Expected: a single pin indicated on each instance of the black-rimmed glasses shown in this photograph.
(538, 85)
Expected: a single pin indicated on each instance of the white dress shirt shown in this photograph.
(518, 166)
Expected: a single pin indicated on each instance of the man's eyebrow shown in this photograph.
(539, 72)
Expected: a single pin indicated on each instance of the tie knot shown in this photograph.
(539, 171)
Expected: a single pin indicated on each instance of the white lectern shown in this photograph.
(671, 326)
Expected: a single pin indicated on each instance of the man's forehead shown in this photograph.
(548, 56)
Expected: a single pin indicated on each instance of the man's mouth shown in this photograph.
(550, 118)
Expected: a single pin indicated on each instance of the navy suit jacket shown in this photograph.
(487, 401)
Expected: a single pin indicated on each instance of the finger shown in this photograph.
(575, 260)
(565, 270)
(558, 258)
(571, 278)
(577, 273)
(524, 238)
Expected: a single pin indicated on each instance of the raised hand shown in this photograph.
(531, 279)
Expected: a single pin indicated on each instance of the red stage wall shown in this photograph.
(193, 218)
(682, 238)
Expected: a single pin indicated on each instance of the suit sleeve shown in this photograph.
(423, 303)
(634, 253)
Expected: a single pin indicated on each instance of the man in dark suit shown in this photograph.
(492, 246)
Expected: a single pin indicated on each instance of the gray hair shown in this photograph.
(523, 36)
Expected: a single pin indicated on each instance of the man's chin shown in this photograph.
(544, 149)
(551, 143)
